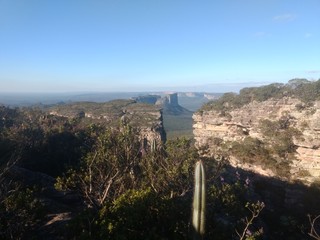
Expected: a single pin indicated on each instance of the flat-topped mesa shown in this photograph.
(146, 117)
(168, 103)
(173, 99)
(169, 100)
(279, 136)
(149, 99)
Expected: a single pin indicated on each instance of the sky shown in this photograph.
(155, 45)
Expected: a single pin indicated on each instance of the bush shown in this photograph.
(304, 90)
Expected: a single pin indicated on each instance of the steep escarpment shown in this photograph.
(273, 130)
(168, 103)
(177, 120)
(147, 118)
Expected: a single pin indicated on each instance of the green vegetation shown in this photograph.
(139, 114)
(275, 151)
(178, 125)
(306, 91)
(126, 194)
(103, 171)
(125, 190)
(279, 135)
(20, 212)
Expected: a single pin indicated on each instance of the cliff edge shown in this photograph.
(148, 118)
(272, 130)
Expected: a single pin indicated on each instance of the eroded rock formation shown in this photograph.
(146, 117)
(240, 123)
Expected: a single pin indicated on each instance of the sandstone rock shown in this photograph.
(237, 124)
(146, 117)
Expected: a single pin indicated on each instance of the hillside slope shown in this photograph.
(273, 130)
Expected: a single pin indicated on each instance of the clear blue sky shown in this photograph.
(148, 45)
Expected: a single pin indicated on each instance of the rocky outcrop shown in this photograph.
(168, 103)
(146, 117)
(239, 123)
(60, 206)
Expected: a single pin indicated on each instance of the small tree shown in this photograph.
(108, 169)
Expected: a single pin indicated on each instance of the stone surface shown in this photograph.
(237, 124)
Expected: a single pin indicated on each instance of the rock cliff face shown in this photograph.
(168, 103)
(238, 124)
(148, 118)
